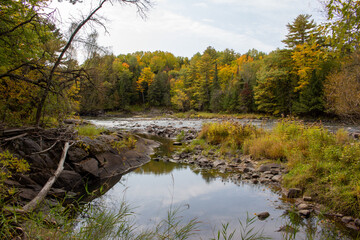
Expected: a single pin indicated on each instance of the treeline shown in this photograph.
(311, 76)
(316, 73)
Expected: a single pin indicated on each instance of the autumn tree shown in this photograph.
(342, 89)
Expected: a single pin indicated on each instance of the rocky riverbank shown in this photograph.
(243, 168)
(90, 162)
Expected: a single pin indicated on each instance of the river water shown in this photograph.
(213, 198)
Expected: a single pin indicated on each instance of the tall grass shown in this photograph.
(323, 164)
(228, 136)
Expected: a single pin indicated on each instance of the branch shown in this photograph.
(48, 149)
(44, 191)
(68, 44)
(19, 25)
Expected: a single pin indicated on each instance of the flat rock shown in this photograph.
(276, 178)
(218, 163)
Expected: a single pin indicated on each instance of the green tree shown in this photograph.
(343, 25)
(300, 31)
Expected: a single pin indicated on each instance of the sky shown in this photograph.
(185, 27)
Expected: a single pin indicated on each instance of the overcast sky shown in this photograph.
(185, 27)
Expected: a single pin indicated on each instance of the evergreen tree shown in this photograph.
(300, 31)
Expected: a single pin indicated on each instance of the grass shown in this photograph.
(89, 131)
(325, 165)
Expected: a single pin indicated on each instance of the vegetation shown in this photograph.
(128, 141)
(324, 164)
(89, 130)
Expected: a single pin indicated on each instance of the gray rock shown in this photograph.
(218, 163)
(263, 215)
(352, 226)
(357, 222)
(89, 165)
(293, 193)
(307, 198)
(303, 206)
(347, 219)
(264, 168)
(276, 178)
(305, 213)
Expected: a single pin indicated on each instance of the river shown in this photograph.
(211, 197)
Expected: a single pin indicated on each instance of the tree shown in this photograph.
(342, 89)
(274, 90)
(300, 31)
(52, 70)
(343, 26)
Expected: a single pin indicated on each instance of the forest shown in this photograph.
(315, 74)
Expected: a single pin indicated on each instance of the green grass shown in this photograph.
(89, 131)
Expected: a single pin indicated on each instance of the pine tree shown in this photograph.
(300, 31)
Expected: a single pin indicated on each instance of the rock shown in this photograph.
(352, 226)
(255, 175)
(236, 160)
(347, 219)
(276, 178)
(255, 181)
(218, 163)
(28, 193)
(90, 165)
(303, 206)
(357, 222)
(76, 154)
(177, 143)
(293, 193)
(262, 216)
(305, 213)
(307, 198)
(247, 170)
(264, 168)
(69, 180)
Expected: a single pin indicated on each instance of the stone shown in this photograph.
(307, 198)
(236, 160)
(347, 219)
(305, 213)
(255, 181)
(218, 163)
(293, 193)
(76, 154)
(357, 222)
(352, 226)
(264, 168)
(303, 206)
(89, 165)
(69, 180)
(255, 175)
(262, 216)
(276, 178)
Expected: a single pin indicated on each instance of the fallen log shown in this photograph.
(44, 191)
